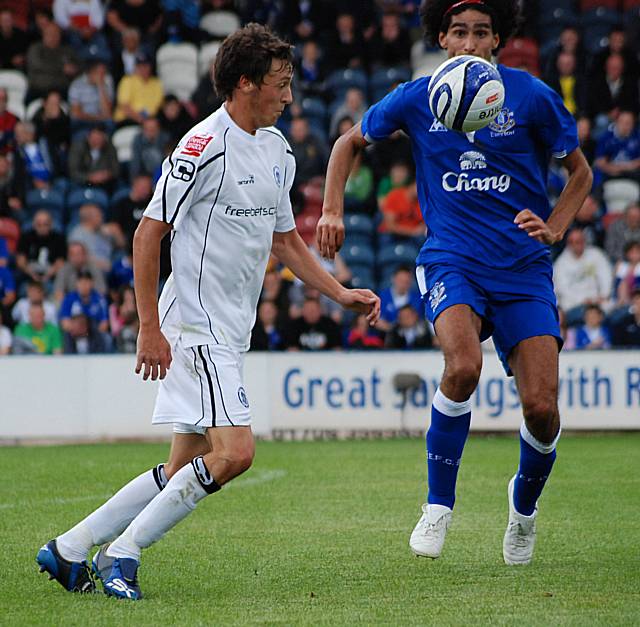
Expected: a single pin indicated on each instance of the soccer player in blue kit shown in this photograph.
(484, 269)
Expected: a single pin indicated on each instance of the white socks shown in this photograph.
(109, 520)
(167, 509)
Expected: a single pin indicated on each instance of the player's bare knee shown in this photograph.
(542, 419)
(463, 376)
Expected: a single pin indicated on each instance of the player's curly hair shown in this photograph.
(248, 52)
(505, 17)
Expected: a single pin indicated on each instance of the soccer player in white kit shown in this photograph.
(224, 195)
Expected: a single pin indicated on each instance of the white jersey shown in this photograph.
(225, 192)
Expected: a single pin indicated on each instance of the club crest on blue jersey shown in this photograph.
(437, 294)
(242, 397)
(276, 175)
(472, 160)
(503, 124)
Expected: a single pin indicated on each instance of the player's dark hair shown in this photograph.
(436, 17)
(248, 52)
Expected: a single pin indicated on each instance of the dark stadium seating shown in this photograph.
(340, 81)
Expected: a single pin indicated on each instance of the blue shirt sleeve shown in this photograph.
(386, 116)
(65, 307)
(4, 251)
(7, 282)
(553, 124)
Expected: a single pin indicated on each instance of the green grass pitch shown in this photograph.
(317, 533)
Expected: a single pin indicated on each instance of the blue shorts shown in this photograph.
(513, 306)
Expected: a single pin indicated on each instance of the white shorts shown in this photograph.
(203, 389)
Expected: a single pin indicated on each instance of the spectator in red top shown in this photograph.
(402, 218)
(8, 123)
(362, 336)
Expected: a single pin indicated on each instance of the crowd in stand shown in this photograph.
(94, 95)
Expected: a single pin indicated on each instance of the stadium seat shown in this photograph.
(358, 255)
(428, 63)
(206, 56)
(596, 26)
(588, 5)
(314, 108)
(119, 195)
(381, 81)
(178, 69)
(620, 193)
(93, 195)
(552, 22)
(394, 255)
(219, 24)
(15, 83)
(362, 276)
(122, 141)
(522, 52)
(358, 224)
(32, 108)
(50, 199)
(306, 226)
(340, 81)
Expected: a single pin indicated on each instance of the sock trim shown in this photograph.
(160, 476)
(452, 409)
(541, 447)
(208, 483)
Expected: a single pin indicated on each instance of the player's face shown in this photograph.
(274, 94)
(470, 32)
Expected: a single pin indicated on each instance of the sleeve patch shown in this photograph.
(196, 145)
(183, 170)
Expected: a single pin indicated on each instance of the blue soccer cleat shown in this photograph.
(122, 581)
(72, 576)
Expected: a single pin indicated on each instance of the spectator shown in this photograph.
(77, 261)
(409, 332)
(7, 291)
(618, 151)
(6, 339)
(384, 154)
(345, 46)
(302, 20)
(310, 70)
(91, 232)
(268, 333)
(139, 95)
(50, 64)
(587, 143)
(53, 128)
(362, 336)
(84, 300)
(41, 250)
(35, 296)
(204, 98)
(627, 276)
(390, 47)
(401, 292)
(567, 80)
(593, 334)
(123, 320)
(8, 123)
(174, 119)
(402, 217)
(398, 176)
(148, 149)
(31, 160)
(144, 15)
(91, 97)
(82, 338)
(82, 22)
(13, 43)
(617, 45)
(181, 21)
(589, 220)
(614, 91)
(358, 191)
(124, 63)
(622, 231)
(569, 41)
(4, 252)
(626, 332)
(11, 192)
(313, 331)
(276, 289)
(93, 160)
(582, 275)
(38, 335)
(353, 107)
(125, 215)
(310, 153)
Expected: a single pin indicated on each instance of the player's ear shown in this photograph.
(245, 85)
(442, 40)
(496, 41)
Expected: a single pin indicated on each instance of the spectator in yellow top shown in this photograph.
(140, 94)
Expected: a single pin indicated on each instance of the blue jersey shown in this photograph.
(471, 186)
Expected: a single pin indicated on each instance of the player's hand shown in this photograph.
(535, 227)
(154, 353)
(363, 302)
(329, 235)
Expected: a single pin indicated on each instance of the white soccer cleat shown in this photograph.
(427, 538)
(520, 536)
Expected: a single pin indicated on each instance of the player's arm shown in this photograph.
(330, 229)
(575, 191)
(154, 352)
(291, 250)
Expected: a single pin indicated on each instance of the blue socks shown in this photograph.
(536, 462)
(445, 442)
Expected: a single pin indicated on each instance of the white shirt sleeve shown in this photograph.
(284, 220)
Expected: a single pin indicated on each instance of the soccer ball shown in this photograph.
(466, 93)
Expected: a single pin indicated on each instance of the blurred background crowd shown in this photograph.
(94, 95)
